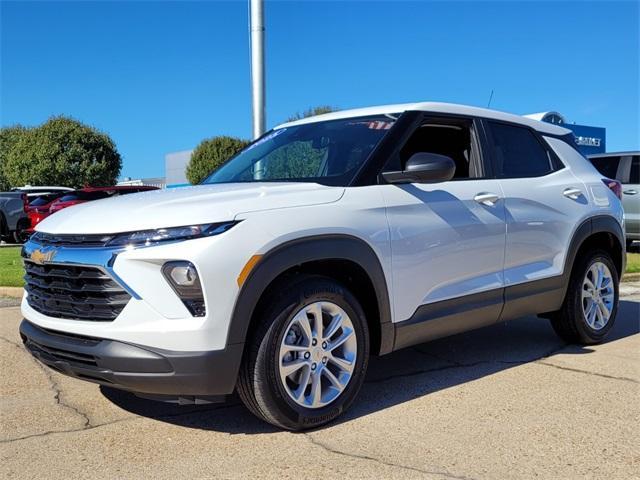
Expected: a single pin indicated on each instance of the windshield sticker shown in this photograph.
(375, 124)
(266, 138)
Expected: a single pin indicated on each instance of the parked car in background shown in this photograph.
(624, 167)
(14, 209)
(89, 194)
(324, 241)
(38, 208)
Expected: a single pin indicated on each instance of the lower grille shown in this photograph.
(57, 354)
(73, 292)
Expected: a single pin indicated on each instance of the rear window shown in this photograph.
(518, 153)
(607, 166)
(85, 196)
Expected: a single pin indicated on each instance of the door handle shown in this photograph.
(572, 193)
(630, 192)
(486, 198)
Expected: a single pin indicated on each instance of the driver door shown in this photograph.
(447, 239)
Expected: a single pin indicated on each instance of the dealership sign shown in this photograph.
(588, 141)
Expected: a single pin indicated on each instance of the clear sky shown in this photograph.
(161, 76)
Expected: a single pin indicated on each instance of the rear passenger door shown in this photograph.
(544, 202)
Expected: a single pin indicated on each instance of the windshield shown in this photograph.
(330, 153)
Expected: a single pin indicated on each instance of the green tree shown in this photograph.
(63, 151)
(9, 136)
(311, 112)
(210, 154)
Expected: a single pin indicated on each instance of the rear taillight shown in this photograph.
(615, 186)
(25, 202)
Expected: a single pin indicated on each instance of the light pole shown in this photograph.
(256, 9)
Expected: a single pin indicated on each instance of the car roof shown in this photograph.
(434, 107)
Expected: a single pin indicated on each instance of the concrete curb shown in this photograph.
(629, 288)
(631, 277)
(11, 292)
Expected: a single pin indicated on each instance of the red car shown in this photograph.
(38, 208)
(44, 206)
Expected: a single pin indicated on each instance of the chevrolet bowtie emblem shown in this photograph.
(40, 257)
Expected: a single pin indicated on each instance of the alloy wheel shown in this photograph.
(317, 354)
(598, 295)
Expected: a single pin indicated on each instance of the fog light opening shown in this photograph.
(183, 278)
(184, 275)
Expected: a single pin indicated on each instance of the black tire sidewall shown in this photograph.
(20, 235)
(285, 411)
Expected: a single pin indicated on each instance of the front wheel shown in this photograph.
(307, 359)
(590, 306)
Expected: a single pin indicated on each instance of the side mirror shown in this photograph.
(424, 167)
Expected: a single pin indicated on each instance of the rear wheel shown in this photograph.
(307, 359)
(590, 306)
(4, 230)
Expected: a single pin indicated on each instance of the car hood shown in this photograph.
(184, 206)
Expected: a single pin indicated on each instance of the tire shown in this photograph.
(19, 234)
(571, 322)
(262, 386)
(4, 229)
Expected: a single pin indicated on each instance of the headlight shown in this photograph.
(150, 237)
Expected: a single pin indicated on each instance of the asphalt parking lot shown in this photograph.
(507, 401)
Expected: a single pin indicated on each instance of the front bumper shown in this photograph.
(136, 368)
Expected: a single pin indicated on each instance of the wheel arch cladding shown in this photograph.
(601, 231)
(347, 259)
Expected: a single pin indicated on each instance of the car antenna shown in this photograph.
(490, 98)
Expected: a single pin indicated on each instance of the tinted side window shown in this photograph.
(518, 153)
(607, 166)
(634, 174)
(43, 199)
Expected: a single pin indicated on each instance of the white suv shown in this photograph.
(326, 240)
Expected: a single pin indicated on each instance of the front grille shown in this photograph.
(73, 292)
(72, 240)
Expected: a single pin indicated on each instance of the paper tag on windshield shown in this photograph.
(266, 138)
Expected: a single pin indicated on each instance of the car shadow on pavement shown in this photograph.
(404, 375)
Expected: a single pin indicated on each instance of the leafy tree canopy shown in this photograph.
(9, 136)
(62, 151)
(210, 154)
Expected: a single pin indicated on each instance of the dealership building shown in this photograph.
(590, 140)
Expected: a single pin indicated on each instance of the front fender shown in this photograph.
(311, 249)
